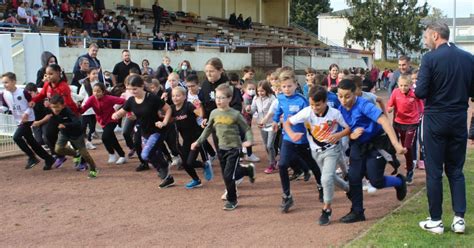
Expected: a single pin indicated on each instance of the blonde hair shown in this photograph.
(180, 90)
(406, 78)
(174, 74)
(286, 75)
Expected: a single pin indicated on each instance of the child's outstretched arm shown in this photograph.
(387, 127)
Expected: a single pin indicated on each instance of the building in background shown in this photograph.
(464, 32)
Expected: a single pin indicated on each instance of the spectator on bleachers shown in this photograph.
(233, 19)
(159, 42)
(146, 69)
(63, 38)
(23, 15)
(12, 19)
(172, 41)
(73, 19)
(103, 43)
(65, 9)
(121, 16)
(85, 35)
(47, 15)
(37, 15)
(81, 74)
(38, 2)
(185, 70)
(116, 35)
(134, 30)
(248, 23)
(164, 70)
(157, 12)
(240, 22)
(88, 19)
(74, 38)
(100, 26)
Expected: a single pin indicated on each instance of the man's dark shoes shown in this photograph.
(352, 217)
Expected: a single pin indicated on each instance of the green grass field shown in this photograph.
(400, 229)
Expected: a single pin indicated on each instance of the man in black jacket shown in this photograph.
(445, 80)
(157, 12)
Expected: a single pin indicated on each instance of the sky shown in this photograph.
(463, 7)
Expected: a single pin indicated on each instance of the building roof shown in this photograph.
(338, 13)
(460, 21)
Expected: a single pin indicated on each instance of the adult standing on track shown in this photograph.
(404, 68)
(445, 80)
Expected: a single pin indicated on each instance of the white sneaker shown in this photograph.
(458, 225)
(118, 129)
(176, 161)
(112, 158)
(365, 185)
(244, 150)
(371, 189)
(90, 146)
(121, 160)
(252, 158)
(432, 226)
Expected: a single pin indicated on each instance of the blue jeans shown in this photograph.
(151, 153)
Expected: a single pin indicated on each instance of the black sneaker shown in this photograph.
(401, 190)
(296, 176)
(142, 167)
(410, 175)
(321, 194)
(307, 176)
(352, 217)
(286, 204)
(229, 206)
(167, 182)
(325, 217)
(251, 171)
(31, 163)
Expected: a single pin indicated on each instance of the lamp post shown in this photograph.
(454, 22)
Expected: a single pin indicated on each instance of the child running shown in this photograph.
(184, 114)
(88, 117)
(227, 122)
(323, 132)
(16, 100)
(261, 105)
(407, 110)
(145, 107)
(290, 103)
(371, 133)
(250, 90)
(103, 105)
(69, 125)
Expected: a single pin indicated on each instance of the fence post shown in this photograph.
(248, 49)
(84, 43)
(197, 46)
(166, 46)
(128, 47)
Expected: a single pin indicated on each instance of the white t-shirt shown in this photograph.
(319, 128)
(18, 104)
(194, 99)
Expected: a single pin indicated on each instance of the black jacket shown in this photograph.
(162, 74)
(210, 104)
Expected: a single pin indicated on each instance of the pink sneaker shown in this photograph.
(421, 165)
(269, 170)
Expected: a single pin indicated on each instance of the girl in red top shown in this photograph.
(54, 85)
(103, 105)
(408, 110)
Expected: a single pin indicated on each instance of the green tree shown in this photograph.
(305, 12)
(396, 23)
(435, 14)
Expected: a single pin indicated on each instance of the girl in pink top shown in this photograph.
(408, 110)
(103, 105)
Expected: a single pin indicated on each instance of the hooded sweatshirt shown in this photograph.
(45, 56)
(207, 96)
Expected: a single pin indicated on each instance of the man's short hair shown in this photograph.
(404, 58)
(439, 27)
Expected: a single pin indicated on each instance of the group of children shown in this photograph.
(311, 130)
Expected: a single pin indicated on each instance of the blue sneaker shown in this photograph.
(193, 184)
(82, 167)
(58, 163)
(208, 172)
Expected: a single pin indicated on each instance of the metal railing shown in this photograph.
(8, 127)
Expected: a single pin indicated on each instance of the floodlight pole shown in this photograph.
(454, 22)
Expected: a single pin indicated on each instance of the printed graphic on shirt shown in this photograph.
(224, 120)
(322, 131)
